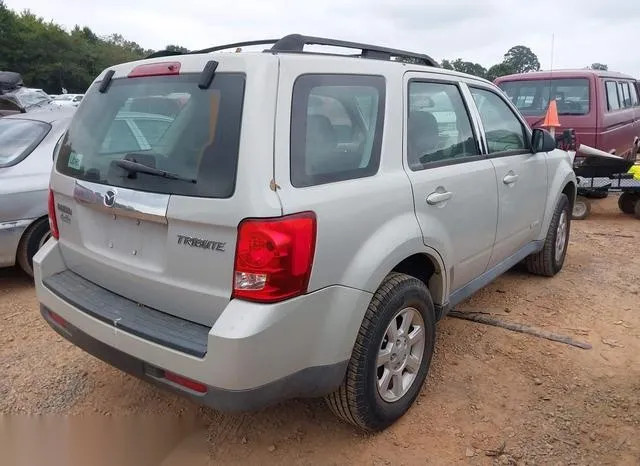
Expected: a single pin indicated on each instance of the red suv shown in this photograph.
(602, 107)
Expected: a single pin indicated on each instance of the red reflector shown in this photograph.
(53, 222)
(274, 257)
(184, 382)
(155, 69)
(57, 319)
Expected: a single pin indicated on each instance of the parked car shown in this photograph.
(298, 227)
(602, 106)
(64, 100)
(23, 100)
(26, 157)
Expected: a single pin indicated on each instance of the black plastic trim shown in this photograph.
(122, 313)
(104, 85)
(206, 77)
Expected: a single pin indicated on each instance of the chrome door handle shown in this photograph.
(510, 178)
(437, 198)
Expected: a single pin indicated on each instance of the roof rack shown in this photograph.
(295, 43)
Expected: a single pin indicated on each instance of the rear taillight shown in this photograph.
(274, 257)
(53, 222)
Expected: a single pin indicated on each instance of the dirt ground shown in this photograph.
(535, 401)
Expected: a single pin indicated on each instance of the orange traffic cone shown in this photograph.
(551, 119)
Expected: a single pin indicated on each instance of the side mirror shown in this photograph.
(542, 141)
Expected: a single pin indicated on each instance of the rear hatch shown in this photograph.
(145, 187)
(575, 102)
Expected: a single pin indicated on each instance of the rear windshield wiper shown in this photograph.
(135, 167)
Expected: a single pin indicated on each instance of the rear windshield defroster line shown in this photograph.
(170, 124)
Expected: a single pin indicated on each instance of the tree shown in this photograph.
(501, 69)
(599, 66)
(521, 59)
(469, 67)
(446, 64)
(176, 48)
(49, 57)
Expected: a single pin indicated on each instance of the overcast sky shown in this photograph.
(586, 31)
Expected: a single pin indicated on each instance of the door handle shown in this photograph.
(510, 178)
(438, 197)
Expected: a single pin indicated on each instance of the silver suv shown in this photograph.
(246, 228)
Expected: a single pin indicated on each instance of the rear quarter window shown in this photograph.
(336, 128)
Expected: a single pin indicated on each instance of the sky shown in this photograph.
(582, 31)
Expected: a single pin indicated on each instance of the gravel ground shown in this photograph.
(535, 401)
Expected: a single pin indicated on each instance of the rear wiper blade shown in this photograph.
(135, 167)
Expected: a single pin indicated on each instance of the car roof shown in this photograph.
(46, 115)
(567, 73)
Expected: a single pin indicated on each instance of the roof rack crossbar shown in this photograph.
(297, 42)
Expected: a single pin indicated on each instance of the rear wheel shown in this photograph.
(627, 202)
(32, 240)
(581, 208)
(636, 212)
(391, 356)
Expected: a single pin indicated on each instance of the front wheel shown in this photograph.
(550, 259)
(391, 356)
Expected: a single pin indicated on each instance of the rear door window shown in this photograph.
(336, 128)
(195, 139)
(439, 129)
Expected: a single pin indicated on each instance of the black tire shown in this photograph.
(358, 400)
(595, 194)
(581, 208)
(627, 202)
(636, 212)
(30, 244)
(545, 262)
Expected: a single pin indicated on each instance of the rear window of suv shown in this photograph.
(532, 96)
(164, 122)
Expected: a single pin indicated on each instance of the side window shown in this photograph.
(336, 128)
(612, 95)
(626, 96)
(634, 94)
(503, 130)
(438, 126)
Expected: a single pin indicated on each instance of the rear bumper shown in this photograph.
(310, 382)
(10, 234)
(255, 354)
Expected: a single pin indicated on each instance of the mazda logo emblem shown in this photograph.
(109, 198)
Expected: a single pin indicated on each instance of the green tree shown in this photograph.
(501, 69)
(176, 48)
(521, 59)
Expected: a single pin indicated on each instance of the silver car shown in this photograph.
(294, 224)
(27, 144)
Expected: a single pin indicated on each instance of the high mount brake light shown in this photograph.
(155, 69)
(274, 257)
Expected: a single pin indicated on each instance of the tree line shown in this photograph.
(50, 58)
